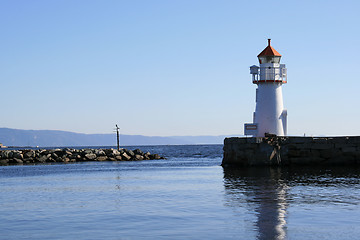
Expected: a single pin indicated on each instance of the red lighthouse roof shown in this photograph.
(269, 51)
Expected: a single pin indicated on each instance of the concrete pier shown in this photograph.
(277, 151)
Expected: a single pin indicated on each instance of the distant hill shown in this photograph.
(55, 138)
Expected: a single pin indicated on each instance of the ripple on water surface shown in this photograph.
(186, 196)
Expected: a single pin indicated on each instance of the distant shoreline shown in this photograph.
(55, 138)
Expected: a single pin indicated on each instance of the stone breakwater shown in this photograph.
(66, 155)
(291, 151)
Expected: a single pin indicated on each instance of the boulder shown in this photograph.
(51, 160)
(100, 152)
(155, 156)
(86, 151)
(43, 158)
(60, 153)
(112, 152)
(16, 161)
(130, 153)
(125, 156)
(147, 156)
(29, 154)
(18, 155)
(68, 153)
(29, 160)
(138, 151)
(90, 156)
(4, 154)
(102, 158)
(10, 154)
(59, 159)
(4, 161)
(116, 152)
(139, 157)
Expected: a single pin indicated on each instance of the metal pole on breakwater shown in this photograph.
(118, 137)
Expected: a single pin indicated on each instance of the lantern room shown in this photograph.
(270, 69)
(269, 55)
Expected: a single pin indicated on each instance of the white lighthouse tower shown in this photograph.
(270, 115)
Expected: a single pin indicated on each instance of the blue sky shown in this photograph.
(175, 67)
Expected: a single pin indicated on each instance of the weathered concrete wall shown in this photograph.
(291, 151)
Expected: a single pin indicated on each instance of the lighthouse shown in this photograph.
(269, 116)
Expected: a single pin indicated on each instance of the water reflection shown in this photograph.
(267, 193)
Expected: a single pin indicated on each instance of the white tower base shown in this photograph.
(270, 115)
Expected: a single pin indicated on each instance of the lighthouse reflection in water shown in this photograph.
(265, 193)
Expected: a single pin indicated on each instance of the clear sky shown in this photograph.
(175, 67)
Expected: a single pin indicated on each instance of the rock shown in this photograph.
(100, 152)
(18, 155)
(138, 152)
(116, 152)
(29, 154)
(86, 151)
(102, 158)
(72, 155)
(155, 156)
(4, 161)
(50, 160)
(139, 157)
(5, 154)
(50, 151)
(28, 160)
(90, 156)
(68, 153)
(16, 161)
(60, 153)
(43, 158)
(112, 152)
(125, 156)
(147, 156)
(130, 153)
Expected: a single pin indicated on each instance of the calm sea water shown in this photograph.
(187, 196)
